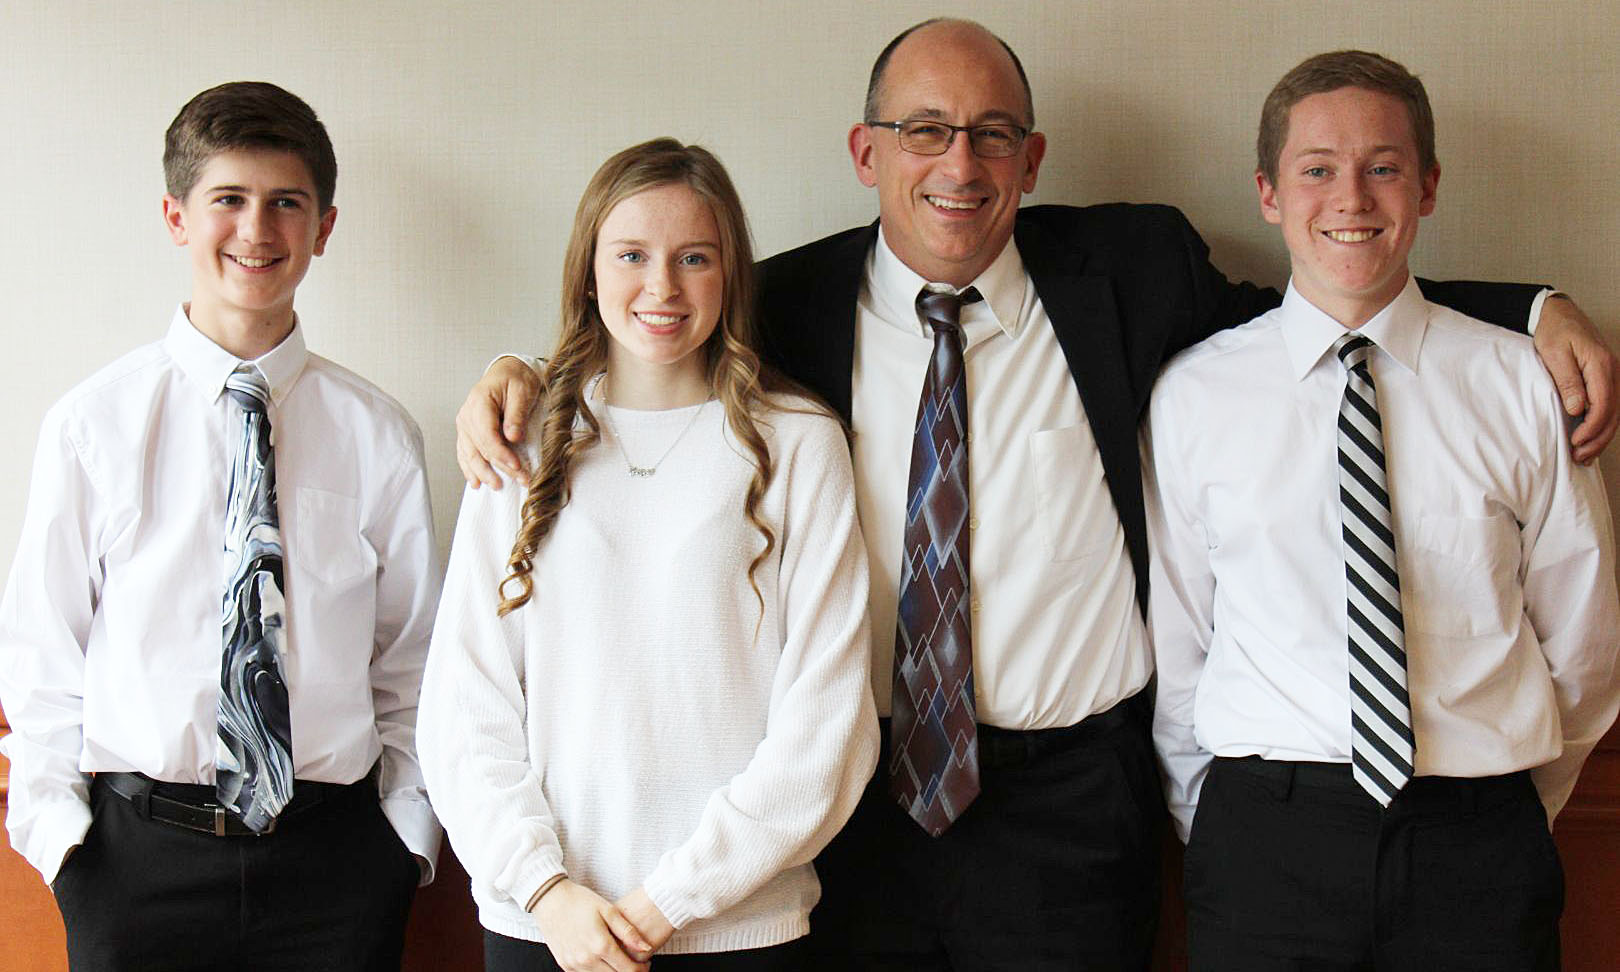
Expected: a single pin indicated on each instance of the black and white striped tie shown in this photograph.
(1381, 747)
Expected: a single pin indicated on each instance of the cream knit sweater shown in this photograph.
(627, 726)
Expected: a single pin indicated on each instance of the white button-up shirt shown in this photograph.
(1056, 631)
(1503, 547)
(110, 638)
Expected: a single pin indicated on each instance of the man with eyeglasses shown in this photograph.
(1016, 818)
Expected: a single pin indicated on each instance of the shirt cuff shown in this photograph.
(1535, 309)
(534, 362)
(418, 830)
(56, 831)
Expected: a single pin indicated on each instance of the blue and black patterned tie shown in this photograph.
(934, 754)
(253, 760)
(1381, 744)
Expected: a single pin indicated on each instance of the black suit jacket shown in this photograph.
(1126, 286)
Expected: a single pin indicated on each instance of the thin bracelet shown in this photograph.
(534, 898)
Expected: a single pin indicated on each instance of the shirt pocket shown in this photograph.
(1462, 573)
(324, 535)
(1069, 489)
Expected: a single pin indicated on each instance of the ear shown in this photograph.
(328, 220)
(1431, 181)
(1268, 198)
(860, 152)
(174, 217)
(1034, 151)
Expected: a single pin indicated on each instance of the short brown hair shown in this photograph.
(246, 115)
(1330, 72)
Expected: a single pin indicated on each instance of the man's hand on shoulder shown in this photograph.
(493, 419)
(1585, 371)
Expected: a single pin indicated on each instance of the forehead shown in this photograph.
(674, 211)
(953, 73)
(1348, 119)
(259, 168)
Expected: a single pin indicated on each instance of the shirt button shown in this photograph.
(973, 523)
(975, 605)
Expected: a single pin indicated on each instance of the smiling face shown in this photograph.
(252, 223)
(1349, 192)
(949, 216)
(660, 288)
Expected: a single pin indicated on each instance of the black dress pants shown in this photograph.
(330, 889)
(1291, 866)
(1053, 868)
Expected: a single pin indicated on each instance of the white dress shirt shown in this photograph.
(1056, 631)
(1503, 545)
(110, 624)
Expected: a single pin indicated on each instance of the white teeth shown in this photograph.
(660, 319)
(944, 203)
(254, 263)
(1351, 236)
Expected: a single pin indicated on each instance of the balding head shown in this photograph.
(947, 37)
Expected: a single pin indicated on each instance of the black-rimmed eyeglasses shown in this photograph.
(924, 137)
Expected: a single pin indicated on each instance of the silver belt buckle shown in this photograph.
(219, 821)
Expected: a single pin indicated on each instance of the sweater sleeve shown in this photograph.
(821, 740)
(474, 751)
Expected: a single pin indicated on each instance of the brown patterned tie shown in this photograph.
(934, 755)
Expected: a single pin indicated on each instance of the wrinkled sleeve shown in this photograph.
(1180, 609)
(408, 580)
(471, 734)
(45, 619)
(1571, 601)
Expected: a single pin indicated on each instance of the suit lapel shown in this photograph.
(1087, 325)
(1086, 321)
(830, 314)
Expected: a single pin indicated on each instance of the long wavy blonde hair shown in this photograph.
(733, 367)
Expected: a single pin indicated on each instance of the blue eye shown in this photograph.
(694, 260)
(1383, 169)
(1316, 171)
(631, 256)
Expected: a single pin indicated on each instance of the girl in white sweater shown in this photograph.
(646, 706)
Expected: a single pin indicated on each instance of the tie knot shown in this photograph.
(248, 388)
(1352, 350)
(943, 310)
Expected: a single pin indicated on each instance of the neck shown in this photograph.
(245, 334)
(638, 385)
(1352, 311)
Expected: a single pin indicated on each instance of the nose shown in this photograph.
(1351, 195)
(959, 162)
(662, 282)
(253, 223)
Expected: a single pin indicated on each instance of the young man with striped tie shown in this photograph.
(1383, 597)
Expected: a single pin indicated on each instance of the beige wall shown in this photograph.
(466, 131)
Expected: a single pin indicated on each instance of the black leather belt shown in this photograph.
(194, 807)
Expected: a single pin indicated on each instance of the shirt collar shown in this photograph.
(894, 287)
(1397, 329)
(207, 365)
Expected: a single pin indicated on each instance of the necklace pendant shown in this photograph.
(642, 472)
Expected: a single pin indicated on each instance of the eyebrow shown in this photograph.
(1327, 151)
(994, 116)
(682, 246)
(294, 191)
